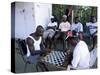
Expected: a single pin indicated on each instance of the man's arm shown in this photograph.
(42, 45)
(30, 43)
(76, 58)
(43, 49)
(59, 28)
(51, 27)
(69, 26)
(94, 33)
(81, 27)
(81, 35)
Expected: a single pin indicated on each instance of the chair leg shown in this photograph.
(37, 67)
(43, 67)
(34, 66)
(25, 67)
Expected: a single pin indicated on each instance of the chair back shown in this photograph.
(23, 48)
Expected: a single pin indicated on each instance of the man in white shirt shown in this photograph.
(64, 27)
(78, 27)
(49, 33)
(92, 25)
(81, 55)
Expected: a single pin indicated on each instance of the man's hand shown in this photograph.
(70, 67)
(68, 52)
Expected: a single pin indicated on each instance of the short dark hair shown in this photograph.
(75, 36)
(39, 26)
(91, 17)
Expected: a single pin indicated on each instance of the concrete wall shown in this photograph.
(29, 15)
(43, 13)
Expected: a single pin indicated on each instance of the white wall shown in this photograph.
(29, 15)
(24, 22)
(43, 13)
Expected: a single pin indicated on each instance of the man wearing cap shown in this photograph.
(49, 33)
(64, 27)
(81, 55)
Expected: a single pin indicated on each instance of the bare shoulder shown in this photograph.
(29, 41)
(31, 34)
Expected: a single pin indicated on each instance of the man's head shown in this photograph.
(64, 18)
(39, 30)
(76, 19)
(73, 39)
(52, 19)
(93, 19)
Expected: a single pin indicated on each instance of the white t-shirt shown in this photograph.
(77, 27)
(92, 27)
(64, 26)
(52, 24)
(81, 56)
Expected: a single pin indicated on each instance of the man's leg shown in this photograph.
(45, 37)
(64, 42)
(51, 35)
(55, 37)
(94, 41)
(42, 66)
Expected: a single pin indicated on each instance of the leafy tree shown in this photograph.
(83, 12)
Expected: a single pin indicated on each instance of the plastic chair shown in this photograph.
(23, 51)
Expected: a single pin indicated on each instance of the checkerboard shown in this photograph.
(55, 57)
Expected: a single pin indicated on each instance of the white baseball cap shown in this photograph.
(65, 16)
(52, 16)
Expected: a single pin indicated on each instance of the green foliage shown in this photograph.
(83, 12)
(58, 11)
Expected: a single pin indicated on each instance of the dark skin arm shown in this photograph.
(42, 46)
(81, 35)
(30, 43)
(59, 29)
(51, 27)
(94, 33)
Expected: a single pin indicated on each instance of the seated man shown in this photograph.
(78, 27)
(92, 26)
(81, 55)
(35, 46)
(49, 33)
(63, 27)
